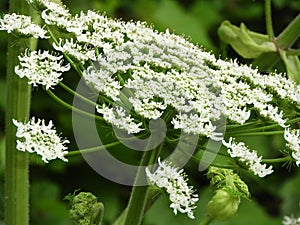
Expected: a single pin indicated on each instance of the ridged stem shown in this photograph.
(18, 95)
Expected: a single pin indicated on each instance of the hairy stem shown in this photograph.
(18, 106)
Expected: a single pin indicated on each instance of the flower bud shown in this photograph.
(223, 205)
(85, 209)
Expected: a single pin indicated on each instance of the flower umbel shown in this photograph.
(40, 138)
(182, 196)
(252, 160)
(293, 142)
(41, 67)
(22, 26)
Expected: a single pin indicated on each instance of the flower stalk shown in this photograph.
(138, 198)
(18, 106)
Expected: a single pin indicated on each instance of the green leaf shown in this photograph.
(292, 65)
(246, 43)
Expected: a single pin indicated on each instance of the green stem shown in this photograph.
(98, 148)
(259, 133)
(137, 201)
(93, 149)
(232, 126)
(68, 106)
(293, 121)
(293, 52)
(284, 41)
(206, 221)
(18, 93)
(71, 91)
(290, 34)
(268, 15)
(73, 64)
(278, 160)
(253, 129)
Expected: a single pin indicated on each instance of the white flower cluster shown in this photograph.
(162, 71)
(247, 87)
(72, 48)
(54, 14)
(293, 143)
(167, 67)
(22, 26)
(291, 220)
(250, 158)
(41, 67)
(40, 138)
(174, 182)
(118, 117)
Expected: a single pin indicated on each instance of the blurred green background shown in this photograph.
(272, 197)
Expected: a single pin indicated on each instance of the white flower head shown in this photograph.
(174, 181)
(291, 220)
(41, 68)
(54, 13)
(293, 143)
(78, 51)
(119, 118)
(21, 25)
(40, 138)
(252, 160)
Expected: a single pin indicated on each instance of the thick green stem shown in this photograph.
(284, 41)
(18, 107)
(138, 198)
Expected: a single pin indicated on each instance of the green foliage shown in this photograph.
(246, 43)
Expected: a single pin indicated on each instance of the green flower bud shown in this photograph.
(85, 210)
(221, 178)
(223, 205)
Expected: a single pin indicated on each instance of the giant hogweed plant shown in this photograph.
(156, 90)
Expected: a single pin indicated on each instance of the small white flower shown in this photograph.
(54, 14)
(80, 52)
(22, 26)
(252, 160)
(41, 68)
(174, 181)
(100, 80)
(40, 138)
(119, 118)
(293, 142)
(291, 220)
